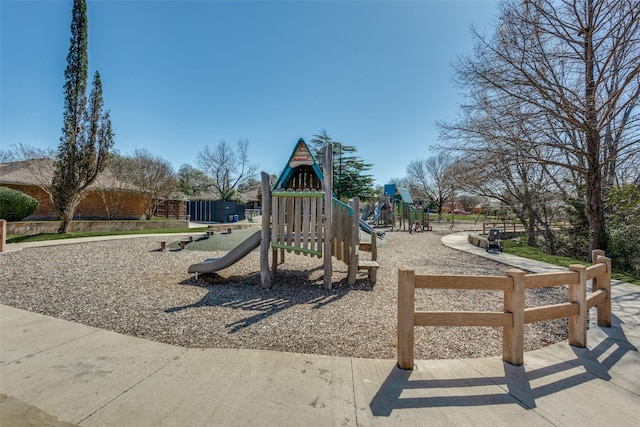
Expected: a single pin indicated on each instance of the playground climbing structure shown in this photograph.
(300, 215)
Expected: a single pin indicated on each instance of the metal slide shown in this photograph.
(233, 256)
(368, 229)
(377, 212)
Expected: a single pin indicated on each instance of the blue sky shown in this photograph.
(181, 75)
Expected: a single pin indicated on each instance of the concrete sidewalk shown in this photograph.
(54, 369)
(12, 247)
(459, 241)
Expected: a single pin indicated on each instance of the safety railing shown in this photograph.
(515, 315)
(505, 227)
(297, 221)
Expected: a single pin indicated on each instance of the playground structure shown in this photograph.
(396, 209)
(380, 215)
(233, 256)
(298, 215)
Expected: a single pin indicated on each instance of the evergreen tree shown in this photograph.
(317, 144)
(349, 177)
(193, 181)
(87, 137)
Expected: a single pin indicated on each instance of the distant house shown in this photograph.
(107, 197)
(252, 200)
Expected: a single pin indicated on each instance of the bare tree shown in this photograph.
(6, 156)
(153, 177)
(468, 202)
(566, 74)
(115, 187)
(433, 178)
(39, 162)
(531, 190)
(227, 168)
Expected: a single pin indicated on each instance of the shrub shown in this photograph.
(623, 226)
(15, 205)
(624, 248)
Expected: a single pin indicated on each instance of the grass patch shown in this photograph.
(524, 251)
(74, 234)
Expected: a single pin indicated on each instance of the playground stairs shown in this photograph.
(371, 265)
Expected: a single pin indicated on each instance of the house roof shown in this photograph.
(28, 172)
(300, 156)
(39, 171)
(251, 195)
(403, 195)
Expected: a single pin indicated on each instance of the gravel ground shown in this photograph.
(130, 287)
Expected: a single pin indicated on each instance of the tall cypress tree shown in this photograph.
(84, 149)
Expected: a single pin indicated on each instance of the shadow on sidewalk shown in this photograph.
(516, 382)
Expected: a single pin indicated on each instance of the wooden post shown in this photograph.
(513, 336)
(373, 272)
(578, 294)
(604, 309)
(3, 235)
(327, 187)
(406, 307)
(265, 274)
(274, 262)
(355, 240)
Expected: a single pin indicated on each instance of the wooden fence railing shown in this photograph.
(505, 227)
(512, 227)
(514, 316)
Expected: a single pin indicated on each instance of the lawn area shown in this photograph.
(524, 251)
(71, 235)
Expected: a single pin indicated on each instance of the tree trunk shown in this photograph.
(66, 214)
(550, 239)
(531, 229)
(595, 210)
(65, 220)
